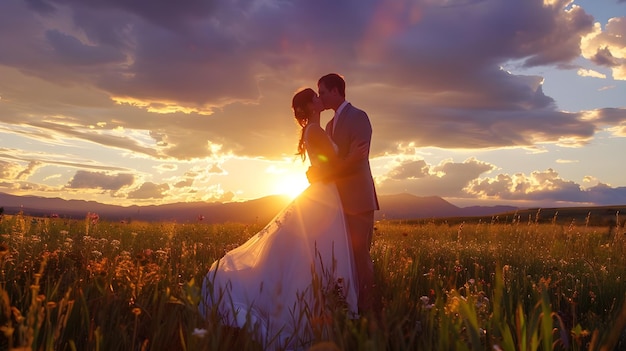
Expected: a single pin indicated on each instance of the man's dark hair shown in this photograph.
(333, 80)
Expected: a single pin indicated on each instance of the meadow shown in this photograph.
(514, 284)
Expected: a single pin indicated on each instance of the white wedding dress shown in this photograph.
(281, 281)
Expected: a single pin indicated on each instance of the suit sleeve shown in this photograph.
(359, 133)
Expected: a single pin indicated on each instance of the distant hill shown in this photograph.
(407, 206)
(400, 206)
(247, 212)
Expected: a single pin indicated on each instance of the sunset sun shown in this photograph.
(290, 186)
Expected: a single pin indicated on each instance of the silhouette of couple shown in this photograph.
(313, 257)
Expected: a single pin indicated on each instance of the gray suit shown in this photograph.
(358, 196)
(355, 184)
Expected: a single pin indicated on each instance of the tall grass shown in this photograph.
(516, 285)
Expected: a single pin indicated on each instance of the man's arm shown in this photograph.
(358, 151)
(360, 136)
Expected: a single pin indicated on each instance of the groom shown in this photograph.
(351, 131)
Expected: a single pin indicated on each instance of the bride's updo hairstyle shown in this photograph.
(300, 104)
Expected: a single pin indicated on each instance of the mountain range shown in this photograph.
(399, 206)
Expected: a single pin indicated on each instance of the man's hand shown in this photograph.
(358, 151)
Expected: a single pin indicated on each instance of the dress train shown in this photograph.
(282, 281)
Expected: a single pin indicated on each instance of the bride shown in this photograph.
(292, 274)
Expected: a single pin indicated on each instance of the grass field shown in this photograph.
(508, 284)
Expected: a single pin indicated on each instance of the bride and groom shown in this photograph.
(313, 257)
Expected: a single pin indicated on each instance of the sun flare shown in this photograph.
(291, 186)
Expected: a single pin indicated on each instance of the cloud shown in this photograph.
(544, 186)
(604, 194)
(100, 180)
(221, 197)
(9, 170)
(446, 179)
(206, 80)
(408, 62)
(590, 73)
(72, 51)
(467, 180)
(608, 47)
(166, 167)
(216, 169)
(183, 183)
(149, 190)
(409, 170)
(29, 170)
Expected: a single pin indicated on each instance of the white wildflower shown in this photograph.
(199, 332)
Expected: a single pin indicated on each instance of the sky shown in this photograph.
(480, 102)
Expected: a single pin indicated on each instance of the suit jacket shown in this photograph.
(355, 184)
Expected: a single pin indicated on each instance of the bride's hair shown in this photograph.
(300, 104)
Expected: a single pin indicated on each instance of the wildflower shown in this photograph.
(199, 332)
(93, 217)
(136, 311)
(161, 253)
